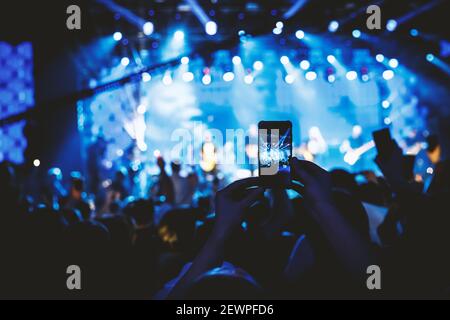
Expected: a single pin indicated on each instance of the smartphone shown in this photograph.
(383, 142)
(408, 167)
(275, 149)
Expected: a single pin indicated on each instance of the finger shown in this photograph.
(252, 196)
(241, 185)
(300, 189)
(298, 171)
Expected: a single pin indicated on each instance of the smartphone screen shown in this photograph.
(383, 142)
(274, 147)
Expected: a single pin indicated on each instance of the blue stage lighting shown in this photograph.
(385, 104)
(284, 60)
(248, 79)
(304, 64)
(148, 28)
(351, 75)
(289, 79)
(391, 25)
(379, 57)
(125, 61)
(228, 76)
(258, 65)
(393, 63)
(206, 80)
(430, 57)
(280, 25)
(146, 77)
(388, 74)
(356, 33)
(236, 60)
(117, 36)
(331, 59)
(211, 28)
(300, 34)
(277, 31)
(311, 75)
(333, 26)
(414, 32)
(188, 76)
(178, 35)
(184, 60)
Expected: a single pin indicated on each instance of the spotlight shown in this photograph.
(211, 28)
(300, 34)
(430, 57)
(117, 36)
(304, 64)
(391, 25)
(333, 26)
(351, 75)
(228, 76)
(241, 33)
(379, 57)
(331, 78)
(206, 80)
(284, 60)
(36, 163)
(311, 75)
(280, 25)
(185, 60)
(356, 33)
(393, 63)
(331, 59)
(248, 79)
(236, 60)
(258, 65)
(148, 28)
(167, 79)
(388, 74)
(146, 77)
(179, 35)
(387, 121)
(141, 109)
(289, 79)
(277, 31)
(365, 77)
(125, 61)
(414, 32)
(188, 76)
(385, 104)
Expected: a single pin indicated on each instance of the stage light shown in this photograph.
(311, 75)
(178, 35)
(125, 61)
(258, 65)
(228, 76)
(391, 25)
(284, 60)
(388, 74)
(36, 163)
(148, 28)
(365, 77)
(141, 109)
(430, 57)
(331, 78)
(277, 31)
(206, 80)
(393, 63)
(333, 26)
(279, 25)
(188, 76)
(379, 57)
(304, 64)
(248, 79)
(414, 32)
(211, 28)
(430, 170)
(236, 60)
(299, 34)
(356, 33)
(184, 60)
(385, 104)
(351, 75)
(117, 36)
(331, 59)
(241, 33)
(387, 121)
(289, 79)
(167, 79)
(146, 77)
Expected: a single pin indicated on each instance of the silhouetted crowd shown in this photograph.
(250, 240)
